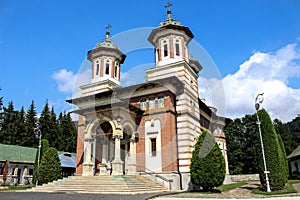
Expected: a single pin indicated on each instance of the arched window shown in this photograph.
(161, 101)
(116, 69)
(177, 47)
(107, 67)
(165, 48)
(97, 68)
(143, 104)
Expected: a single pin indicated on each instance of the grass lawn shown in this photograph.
(19, 187)
(287, 190)
(227, 187)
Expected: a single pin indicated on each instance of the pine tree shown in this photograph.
(31, 125)
(207, 163)
(50, 168)
(21, 128)
(45, 124)
(234, 132)
(44, 148)
(251, 145)
(284, 132)
(273, 154)
(9, 127)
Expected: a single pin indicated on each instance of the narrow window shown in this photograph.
(177, 52)
(153, 146)
(97, 68)
(107, 68)
(161, 101)
(152, 103)
(165, 50)
(143, 104)
(116, 70)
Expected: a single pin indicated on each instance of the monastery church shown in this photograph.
(148, 128)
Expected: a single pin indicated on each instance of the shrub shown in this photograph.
(50, 168)
(207, 164)
(273, 154)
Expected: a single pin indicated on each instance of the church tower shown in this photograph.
(106, 60)
(172, 58)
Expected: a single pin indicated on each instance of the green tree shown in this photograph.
(284, 132)
(31, 125)
(68, 133)
(251, 145)
(234, 132)
(207, 163)
(273, 154)
(50, 168)
(294, 127)
(45, 124)
(44, 148)
(9, 126)
(21, 128)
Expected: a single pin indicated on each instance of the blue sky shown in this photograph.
(44, 43)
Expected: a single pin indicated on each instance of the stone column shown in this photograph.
(104, 165)
(117, 163)
(25, 173)
(132, 157)
(87, 164)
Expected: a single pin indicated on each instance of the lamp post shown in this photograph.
(258, 100)
(38, 135)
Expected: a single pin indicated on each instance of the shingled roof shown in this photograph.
(18, 154)
(295, 153)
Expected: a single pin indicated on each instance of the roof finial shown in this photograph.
(169, 10)
(107, 28)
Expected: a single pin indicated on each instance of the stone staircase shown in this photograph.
(101, 185)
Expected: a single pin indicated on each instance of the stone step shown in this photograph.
(101, 184)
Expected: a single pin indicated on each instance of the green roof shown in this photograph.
(18, 154)
(295, 153)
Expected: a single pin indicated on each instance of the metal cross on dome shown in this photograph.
(168, 5)
(107, 28)
(169, 10)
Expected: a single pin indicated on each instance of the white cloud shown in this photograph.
(268, 73)
(65, 80)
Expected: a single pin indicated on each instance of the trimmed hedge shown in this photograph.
(207, 163)
(50, 168)
(275, 159)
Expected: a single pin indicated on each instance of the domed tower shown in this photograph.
(172, 58)
(106, 60)
(171, 41)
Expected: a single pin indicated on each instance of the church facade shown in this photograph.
(149, 128)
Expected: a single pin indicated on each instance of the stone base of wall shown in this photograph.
(244, 177)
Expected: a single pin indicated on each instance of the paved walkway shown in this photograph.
(243, 192)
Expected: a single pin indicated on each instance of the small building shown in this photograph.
(67, 163)
(294, 161)
(21, 162)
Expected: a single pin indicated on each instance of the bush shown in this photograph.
(50, 168)
(275, 161)
(207, 164)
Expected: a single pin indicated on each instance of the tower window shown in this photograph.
(177, 53)
(107, 65)
(165, 50)
(97, 68)
(177, 47)
(116, 69)
(153, 146)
